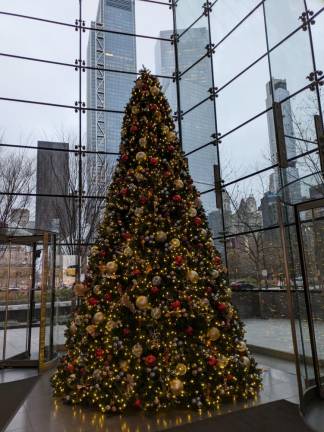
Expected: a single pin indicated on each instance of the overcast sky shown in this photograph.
(246, 150)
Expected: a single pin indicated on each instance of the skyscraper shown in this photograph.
(197, 125)
(290, 175)
(109, 90)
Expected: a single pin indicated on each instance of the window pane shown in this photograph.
(192, 44)
(201, 165)
(187, 12)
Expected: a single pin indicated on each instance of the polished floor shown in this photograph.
(42, 413)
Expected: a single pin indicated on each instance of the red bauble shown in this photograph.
(133, 128)
(176, 304)
(136, 272)
(99, 352)
(102, 253)
(143, 200)
(108, 297)
(150, 360)
(230, 377)
(124, 191)
(167, 173)
(153, 161)
(170, 148)
(197, 220)
(126, 331)
(93, 301)
(138, 403)
(70, 367)
(209, 290)
(221, 307)
(155, 290)
(212, 361)
(217, 260)
(176, 198)
(124, 157)
(178, 260)
(189, 331)
(153, 107)
(126, 235)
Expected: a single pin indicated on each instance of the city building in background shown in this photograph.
(52, 178)
(108, 90)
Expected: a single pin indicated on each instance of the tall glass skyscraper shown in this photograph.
(109, 90)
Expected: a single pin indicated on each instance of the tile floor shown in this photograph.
(42, 413)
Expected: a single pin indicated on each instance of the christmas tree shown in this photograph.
(155, 327)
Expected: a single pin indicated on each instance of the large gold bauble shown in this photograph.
(192, 212)
(80, 289)
(135, 109)
(171, 136)
(154, 90)
(175, 243)
(110, 325)
(98, 317)
(124, 365)
(165, 129)
(139, 176)
(143, 142)
(111, 267)
(142, 302)
(73, 327)
(178, 184)
(245, 361)
(205, 302)
(213, 333)
(176, 386)
(203, 232)
(241, 347)
(161, 236)
(193, 276)
(140, 156)
(181, 369)
(128, 251)
(214, 274)
(156, 313)
(137, 350)
(91, 329)
(222, 362)
(138, 211)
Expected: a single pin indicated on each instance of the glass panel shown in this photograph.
(36, 82)
(248, 91)
(37, 123)
(243, 46)
(282, 18)
(40, 39)
(314, 5)
(187, 12)
(198, 126)
(318, 34)
(246, 150)
(227, 14)
(250, 204)
(292, 61)
(195, 83)
(192, 44)
(201, 165)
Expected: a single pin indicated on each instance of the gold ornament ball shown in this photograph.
(140, 156)
(246, 361)
(111, 267)
(128, 251)
(193, 276)
(156, 313)
(192, 212)
(222, 361)
(178, 184)
(203, 232)
(241, 346)
(98, 317)
(161, 236)
(176, 386)
(204, 302)
(110, 325)
(143, 142)
(138, 211)
(124, 365)
(213, 333)
(172, 136)
(154, 90)
(73, 327)
(135, 109)
(165, 129)
(97, 289)
(139, 176)
(214, 274)
(175, 243)
(142, 302)
(80, 289)
(137, 350)
(139, 83)
(181, 369)
(91, 329)
(229, 292)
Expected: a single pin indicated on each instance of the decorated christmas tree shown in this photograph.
(155, 327)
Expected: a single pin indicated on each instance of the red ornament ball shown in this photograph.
(99, 352)
(93, 301)
(176, 198)
(126, 331)
(178, 260)
(153, 161)
(70, 367)
(126, 235)
(167, 173)
(138, 404)
(124, 191)
(221, 307)
(212, 361)
(189, 331)
(197, 220)
(171, 148)
(133, 128)
(150, 360)
(124, 157)
(108, 297)
(143, 200)
(217, 260)
(155, 290)
(136, 272)
(176, 305)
